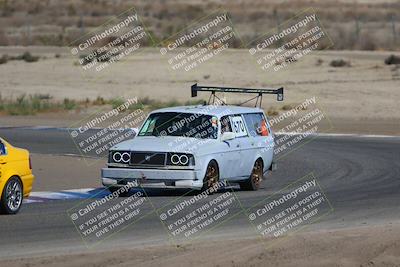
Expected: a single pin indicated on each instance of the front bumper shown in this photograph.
(151, 178)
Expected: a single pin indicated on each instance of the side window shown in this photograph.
(2, 149)
(238, 126)
(225, 125)
(256, 124)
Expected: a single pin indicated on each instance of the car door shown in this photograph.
(243, 135)
(231, 156)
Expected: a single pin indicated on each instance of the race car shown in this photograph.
(196, 147)
(16, 177)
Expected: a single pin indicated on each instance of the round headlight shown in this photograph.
(175, 159)
(126, 157)
(117, 157)
(183, 159)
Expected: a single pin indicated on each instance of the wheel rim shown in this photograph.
(256, 175)
(211, 176)
(14, 195)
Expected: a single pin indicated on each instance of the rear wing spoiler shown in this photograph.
(214, 89)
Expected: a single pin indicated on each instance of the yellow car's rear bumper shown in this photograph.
(27, 181)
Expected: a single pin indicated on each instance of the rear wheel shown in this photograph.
(119, 191)
(212, 176)
(11, 198)
(255, 179)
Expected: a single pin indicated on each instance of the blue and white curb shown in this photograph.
(72, 194)
(82, 194)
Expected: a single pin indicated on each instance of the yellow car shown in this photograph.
(16, 177)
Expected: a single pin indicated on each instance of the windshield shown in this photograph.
(180, 124)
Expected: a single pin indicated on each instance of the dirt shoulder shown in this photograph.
(362, 246)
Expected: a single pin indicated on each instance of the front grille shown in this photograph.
(148, 158)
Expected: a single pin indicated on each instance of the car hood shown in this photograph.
(164, 144)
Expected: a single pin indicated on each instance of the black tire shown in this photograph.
(255, 179)
(211, 177)
(121, 194)
(12, 196)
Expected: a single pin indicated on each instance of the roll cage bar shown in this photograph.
(214, 89)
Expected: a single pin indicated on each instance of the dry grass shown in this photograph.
(33, 104)
(42, 103)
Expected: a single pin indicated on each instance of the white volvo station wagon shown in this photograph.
(196, 146)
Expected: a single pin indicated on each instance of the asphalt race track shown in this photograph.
(359, 175)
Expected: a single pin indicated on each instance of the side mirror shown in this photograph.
(228, 136)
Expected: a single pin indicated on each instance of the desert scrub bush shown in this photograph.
(98, 101)
(292, 106)
(143, 103)
(337, 63)
(69, 104)
(272, 112)
(4, 59)
(146, 101)
(116, 102)
(27, 57)
(392, 60)
(288, 107)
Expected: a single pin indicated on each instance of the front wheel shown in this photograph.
(211, 178)
(255, 179)
(11, 198)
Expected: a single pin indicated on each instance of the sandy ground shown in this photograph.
(362, 96)
(362, 246)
